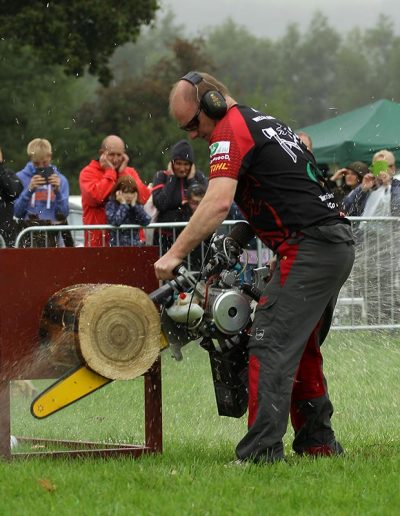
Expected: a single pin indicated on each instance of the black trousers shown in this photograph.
(285, 364)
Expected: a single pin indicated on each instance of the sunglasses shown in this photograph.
(193, 124)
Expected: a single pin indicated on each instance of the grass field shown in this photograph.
(193, 476)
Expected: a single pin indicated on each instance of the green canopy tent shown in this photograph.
(358, 134)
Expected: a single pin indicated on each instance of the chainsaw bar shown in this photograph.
(73, 386)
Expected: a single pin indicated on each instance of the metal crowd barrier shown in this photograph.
(370, 298)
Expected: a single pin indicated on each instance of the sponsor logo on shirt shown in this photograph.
(263, 117)
(326, 197)
(219, 148)
(220, 157)
(218, 166)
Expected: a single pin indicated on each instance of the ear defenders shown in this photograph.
(213, 103)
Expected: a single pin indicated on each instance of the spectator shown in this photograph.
(10, 188)
(98, 179)
(347, 179)
(170, 188)
(378, 195)
(194, 195)
(306, 139)
(123, 207)
(44, 198)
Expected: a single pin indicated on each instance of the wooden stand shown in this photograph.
(30, 278)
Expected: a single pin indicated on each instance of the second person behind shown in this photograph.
(170, 188)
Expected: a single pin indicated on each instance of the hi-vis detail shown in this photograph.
(219, 148)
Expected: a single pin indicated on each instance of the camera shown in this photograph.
(45, 172)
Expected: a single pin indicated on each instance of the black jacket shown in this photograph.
(10, 188)
(169, 191)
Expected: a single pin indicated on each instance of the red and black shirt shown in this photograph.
(279, 187)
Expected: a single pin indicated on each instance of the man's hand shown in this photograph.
(124, 163)
(36, 181)
(165, 265)
(55, 182)
(1, 157)
(368, 182)
(104, 161)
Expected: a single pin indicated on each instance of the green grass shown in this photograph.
(193, 475)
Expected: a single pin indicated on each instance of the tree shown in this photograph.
(40, 101)
(137, 109)
(133, 59)
(75, 34)
(315, 70)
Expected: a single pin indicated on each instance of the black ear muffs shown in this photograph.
(213, 103)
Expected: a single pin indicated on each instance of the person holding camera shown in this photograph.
(377, 196)
(45, 193)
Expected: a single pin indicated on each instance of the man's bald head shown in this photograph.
(112, 142)
(113, 150)
(185, 104)
(183, 96)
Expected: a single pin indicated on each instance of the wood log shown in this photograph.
(113, 329)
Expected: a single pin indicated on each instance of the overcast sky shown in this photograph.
(269, 18)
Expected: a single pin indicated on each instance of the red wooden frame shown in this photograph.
(29, 278)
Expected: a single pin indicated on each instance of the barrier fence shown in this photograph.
(370, 298)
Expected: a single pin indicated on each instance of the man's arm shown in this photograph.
(211, 212)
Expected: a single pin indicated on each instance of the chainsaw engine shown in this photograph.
(214, 307)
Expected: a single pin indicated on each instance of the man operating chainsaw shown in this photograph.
(259, 162)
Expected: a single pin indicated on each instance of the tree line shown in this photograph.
(302, 78)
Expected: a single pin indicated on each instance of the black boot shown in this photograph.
(314, 435)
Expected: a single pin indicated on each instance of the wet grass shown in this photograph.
(193, 476)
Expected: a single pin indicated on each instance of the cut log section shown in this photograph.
(113, 329)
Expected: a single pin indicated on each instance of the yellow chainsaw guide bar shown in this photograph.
(72, 387)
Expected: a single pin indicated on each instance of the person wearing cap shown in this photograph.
(378, 195)
(170, 187)
(348, 178)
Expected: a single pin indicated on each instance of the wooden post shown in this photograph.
(5, 451)
(153, 407)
